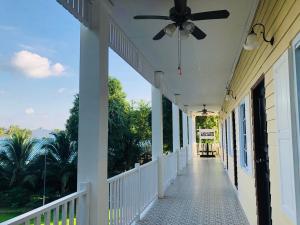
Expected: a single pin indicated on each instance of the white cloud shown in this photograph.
(29, 111)
(2, 92)
(7, 28)
(36, 66)
(61, 90)
(58, 69)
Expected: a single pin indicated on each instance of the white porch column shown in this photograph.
(93, 120)
(157, 132)
(175, 122)
(184, 129)
(191, 144)
(194, 134)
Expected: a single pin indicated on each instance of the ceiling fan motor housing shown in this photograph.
(180, 17)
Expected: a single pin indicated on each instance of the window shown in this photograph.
(243, 136)
(229, 136)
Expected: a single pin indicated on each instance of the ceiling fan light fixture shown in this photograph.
(170, 29)
(188, 26)
(184, 34)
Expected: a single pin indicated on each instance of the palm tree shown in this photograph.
(15, 158)
(61, 162)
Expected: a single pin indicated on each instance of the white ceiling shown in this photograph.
(207, 64)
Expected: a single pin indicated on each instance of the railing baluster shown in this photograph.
(47, 217)
(110, 203)
(78, 211)
(56, 216)
(71, 212)
(64, 214)
(37, 220)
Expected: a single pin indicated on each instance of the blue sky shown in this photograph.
(39, 64)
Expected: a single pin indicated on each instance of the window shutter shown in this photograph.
(248, 133)
(284, 132)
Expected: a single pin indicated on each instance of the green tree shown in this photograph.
(15, 159)
(61, 162)
(72, 122)
(14, 129)
(167, 125)
(2, 131)
(180, 128)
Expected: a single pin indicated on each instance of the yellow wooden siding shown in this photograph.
(282, 19)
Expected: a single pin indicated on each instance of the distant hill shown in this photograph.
(40, 133)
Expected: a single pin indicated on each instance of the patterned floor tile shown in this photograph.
(202, 195)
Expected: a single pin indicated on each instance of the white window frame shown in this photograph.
(245, 149)
(290, 202)
(295, 123)
(243, 135)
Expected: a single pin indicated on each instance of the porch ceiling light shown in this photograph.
(252, 41)
(170, 29)
(229, 95)
(185, 107)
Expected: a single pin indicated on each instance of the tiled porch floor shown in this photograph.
(201, 195)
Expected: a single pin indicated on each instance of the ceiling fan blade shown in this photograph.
(159, 35)
(210, 112)
(180, 5)
(219, 14)
(151, 17)
(198, 34)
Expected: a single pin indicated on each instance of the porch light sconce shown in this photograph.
(177, 96)
(158, 78)
(185, 107)
(252, 38)
(229, 95)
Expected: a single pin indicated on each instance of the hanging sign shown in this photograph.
(207, 134)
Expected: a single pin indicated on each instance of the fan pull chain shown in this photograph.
(179, 53)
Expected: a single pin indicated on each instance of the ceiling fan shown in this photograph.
(204, 111)
(181, 15)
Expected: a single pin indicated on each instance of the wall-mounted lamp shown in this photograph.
(185, 107)
(229, 95)
(177, 96)
(252, 38)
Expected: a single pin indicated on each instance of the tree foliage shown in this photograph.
(22, 166)
(61, 162)
(72, 122)
(167, 125)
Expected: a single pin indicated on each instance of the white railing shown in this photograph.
(71, 209)
(170, 168)
(190, 152)
(148, 181)
(130, 192)
(182, 159)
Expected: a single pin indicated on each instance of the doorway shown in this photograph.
(262, 172)
(234, 150)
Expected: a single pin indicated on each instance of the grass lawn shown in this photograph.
(11, 214)
(7, 216)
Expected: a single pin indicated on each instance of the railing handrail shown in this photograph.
(45, 208)
(124, 174)
(169, 155)
(148, 163)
